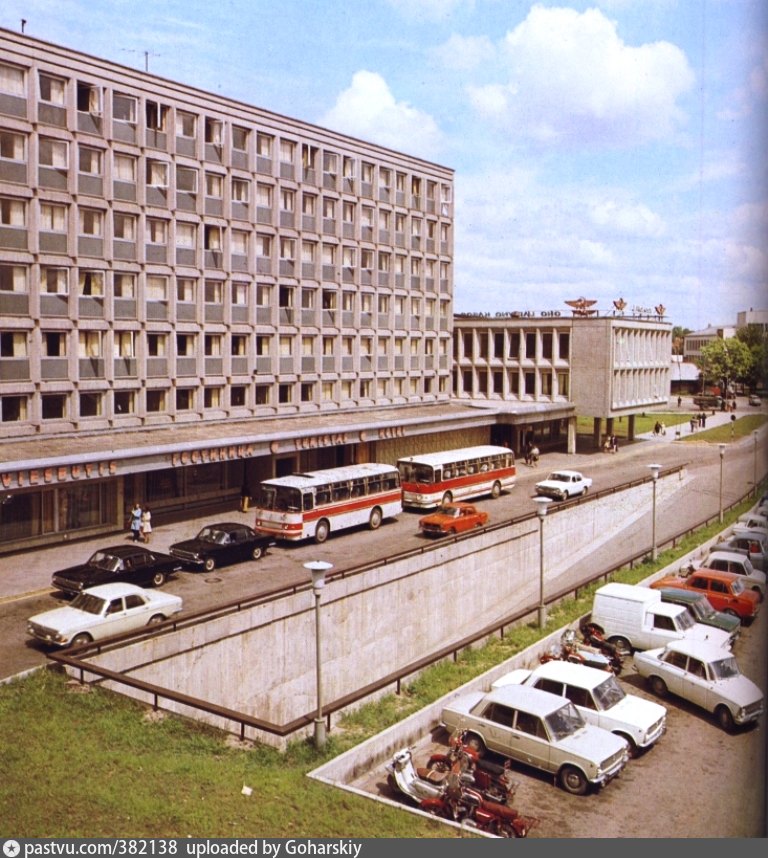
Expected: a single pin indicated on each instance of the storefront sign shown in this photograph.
(311, 442)
(206, 455)
(59, 474)
(512, 314)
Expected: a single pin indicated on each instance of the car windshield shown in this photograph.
(608, 694)
(737, 587)
(102, 560)
(210, 534)
(564, 721)
(559, 478)
(451, 511)
(685, 621)
(88, 603)
(703, 609)
(725, 668)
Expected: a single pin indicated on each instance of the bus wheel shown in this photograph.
(447, 498)
(375, 520)
(322, 530)
(496, 489)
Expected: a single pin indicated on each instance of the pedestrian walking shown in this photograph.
(693, 424)
(535, 456)
(679, 401)
(614, 443)
(146, 524)
(135, 524)
(663, 428)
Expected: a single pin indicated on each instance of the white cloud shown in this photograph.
(570, 78)
(430, 10)
(464, 53)
(368, 110)
(631, 220)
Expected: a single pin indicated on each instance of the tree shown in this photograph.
(757, 341)
(678, 339)
(726, 361)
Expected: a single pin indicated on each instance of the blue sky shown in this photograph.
(606, 149)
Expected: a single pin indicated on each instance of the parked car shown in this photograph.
(453, 518)
(700, 608)
(725, 590)
(732, 561)
(754, 399)
(131, 564)
(704, 675)
(102, 611)
(757, 519)
(220, 544)
(538, 729)
(600, 699)
(750, 543)
(561, 485)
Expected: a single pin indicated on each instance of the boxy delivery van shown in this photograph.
(635, 617)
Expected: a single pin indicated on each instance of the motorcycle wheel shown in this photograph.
(438, 765)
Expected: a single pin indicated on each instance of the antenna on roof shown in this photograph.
(23, 24)
(147, 55)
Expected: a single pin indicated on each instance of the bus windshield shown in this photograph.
(278, 498)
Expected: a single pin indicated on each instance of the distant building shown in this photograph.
(753, 318)
(696, 340)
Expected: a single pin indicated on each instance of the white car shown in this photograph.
(705, 675)
(538, 729)
(599, 698)
(102, 611)
(739, 564)
(562, 485)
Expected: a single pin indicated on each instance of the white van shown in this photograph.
(635, 617)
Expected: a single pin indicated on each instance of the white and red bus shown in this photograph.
(431, 479)
(311, 505)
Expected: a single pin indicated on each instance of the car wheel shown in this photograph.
(586, 489)
(573, 781)
(760, 596)
(658, 686)
(82, 638)
(322, 530)
(622, 645)
(256, 552)
(447, 498)
(495, 489)
(563, 496)
(209, 564)
(158, 579)
(374, 522)
(634, 751)
(474, 743)
(725, 718)
(154, 620)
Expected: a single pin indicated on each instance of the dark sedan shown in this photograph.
(220, 544)
(128, 563)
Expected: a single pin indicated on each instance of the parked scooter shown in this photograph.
(493, 781)
(601, 655)
(595, 638)
(448, 794)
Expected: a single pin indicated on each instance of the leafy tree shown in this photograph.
(678, 337)
(725, 361)
(757, 342)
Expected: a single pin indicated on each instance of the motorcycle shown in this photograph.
(594, 637)
(449, 795)
(598, 655)
(493, 781)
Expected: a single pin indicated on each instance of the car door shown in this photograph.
(116, 618)
(530, 737)
(673, 672)
(695, 685)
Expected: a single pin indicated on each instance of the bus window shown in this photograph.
(323, 495)
(309, 501)
(341, 491)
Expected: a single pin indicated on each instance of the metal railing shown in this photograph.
(75, 657)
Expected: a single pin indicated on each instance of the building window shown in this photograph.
(156, 288)
(239, 345)
(214, 185)
(264, 145)
(240, 138)
(564, 345)
(53, 90)
(237, 394)
(157, 231)
(186, 180)
(53, 217)
(124, 285)
(186, 235)
(212, 397)
(91, 283)
(124, 108)
(546, 383)
(530, 383)
(155, 401)
(546, 345)
(563, 387)
(263, 295)
(240, 294)
(285, 394)
(214, 291)
(240, 190)
(186, 291)
(54, 406)
(125, 402)
(213, 345)
(287, 151)
(157, 345)
(13, 212)
(307, 392)
(214, 131)
(13, 409)
(213, 237)
(90, 161)
(286, 346)
(185, 399)
(156, 115)
(124, 226)
(13, 146)
(347, 389)
(90, 404)
(185, 345)
(124, 168)
(89, 344)
(239, 242)
(530, 346)
(261, 394)
(186, 124)
(91, 222)
(13, 344)
(124, 344)
(54, 281)
(157, 174)
(54, 344)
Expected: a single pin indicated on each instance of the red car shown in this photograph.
(453, 518)
(725, 590)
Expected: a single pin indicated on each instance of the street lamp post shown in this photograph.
(318, 568)
(754, 435)
(722, 456)
(655, 474)
(541, 511)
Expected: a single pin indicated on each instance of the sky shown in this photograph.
(606, 150)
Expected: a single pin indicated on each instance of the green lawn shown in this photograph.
(742, 426)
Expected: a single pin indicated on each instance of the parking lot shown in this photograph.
(696, 782)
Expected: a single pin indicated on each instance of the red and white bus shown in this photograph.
(431, 479)
(311, 505)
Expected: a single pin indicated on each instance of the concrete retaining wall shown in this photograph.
(261, 661)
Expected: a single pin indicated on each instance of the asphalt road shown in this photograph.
(283, 566)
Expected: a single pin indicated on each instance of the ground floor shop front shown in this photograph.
(62, 489)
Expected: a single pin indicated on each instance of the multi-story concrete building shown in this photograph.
(696, 340)
(543, 371)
